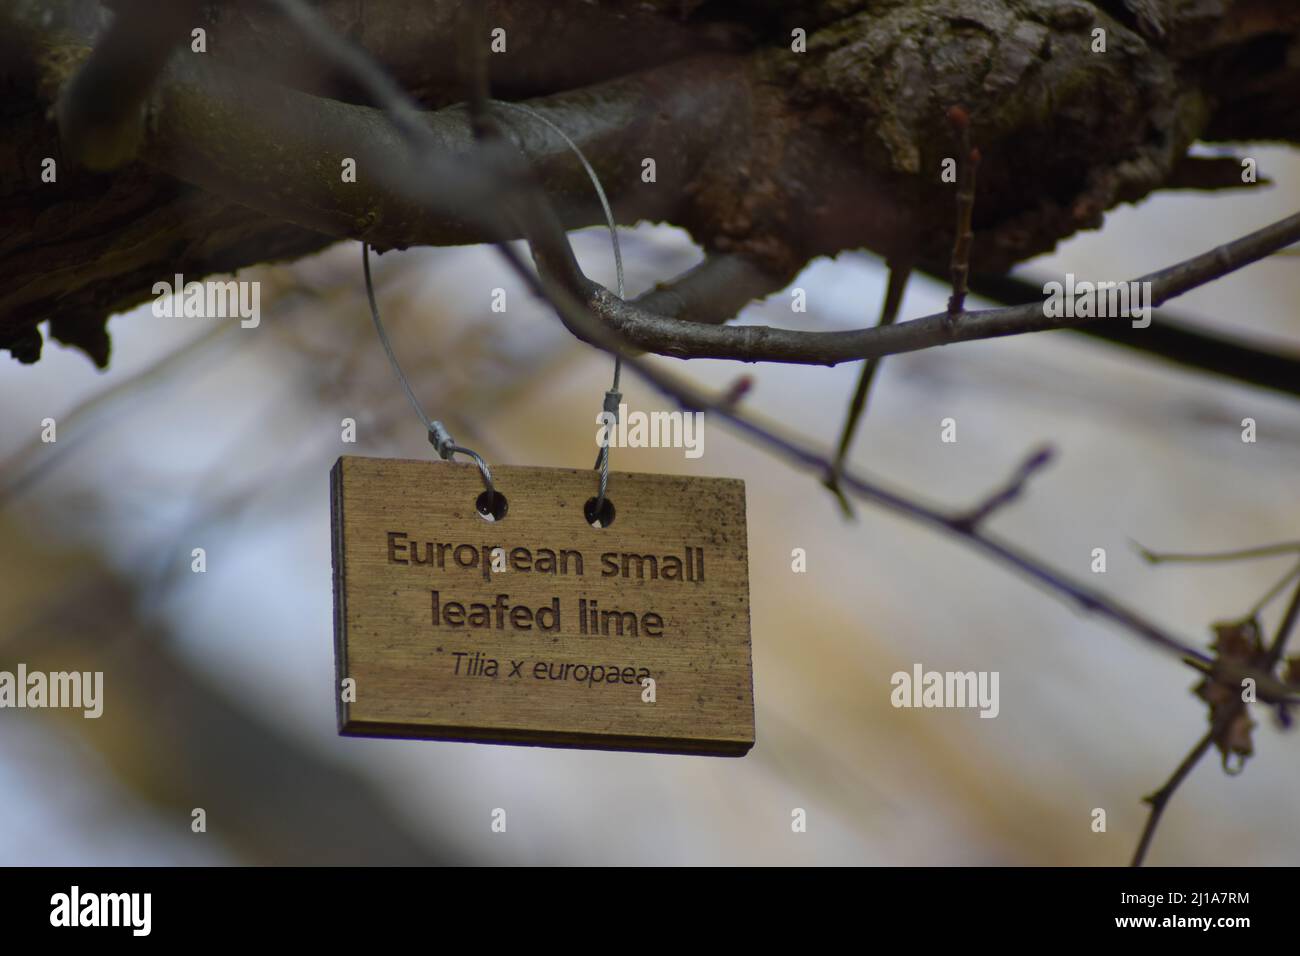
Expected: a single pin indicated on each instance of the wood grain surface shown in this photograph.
(445, 644)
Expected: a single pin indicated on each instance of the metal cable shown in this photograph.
(439, 437)
(613, 397)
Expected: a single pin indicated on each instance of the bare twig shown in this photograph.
(961, 246)
(1241, 554)
(1219, 557)
(898, 275)
(1171, 338)
(766, 344)
(1009, 492)
(1284, 630)
(1160, 799)
(1274, 591)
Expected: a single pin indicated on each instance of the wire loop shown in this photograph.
(483, 470)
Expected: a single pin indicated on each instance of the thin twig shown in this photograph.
(1273, 592)
(758, 343)
(1160, 798)
(1171, 338)
(964, 238)
(1223, 557)
(1217, 557)
(899, 271)
(1284, 631)
(1009, 492)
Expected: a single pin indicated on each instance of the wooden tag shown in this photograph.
(539, 628)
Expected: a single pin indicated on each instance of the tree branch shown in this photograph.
(1160, 799)
(587, 324)
(766, 156)
(713, 292)
(758, 343)
(101, 115)
(211, 127)
(1172, 338)
(899, 272)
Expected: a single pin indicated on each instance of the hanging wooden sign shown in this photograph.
(539, 628)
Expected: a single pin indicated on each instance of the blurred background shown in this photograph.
(219, 686)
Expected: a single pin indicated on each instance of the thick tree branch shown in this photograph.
(211, 124)
(267, 161)
(767, 155)
(423, 46)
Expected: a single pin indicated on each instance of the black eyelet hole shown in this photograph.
(493, 508)
(602, 519)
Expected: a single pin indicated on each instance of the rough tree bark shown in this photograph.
(769, 157)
